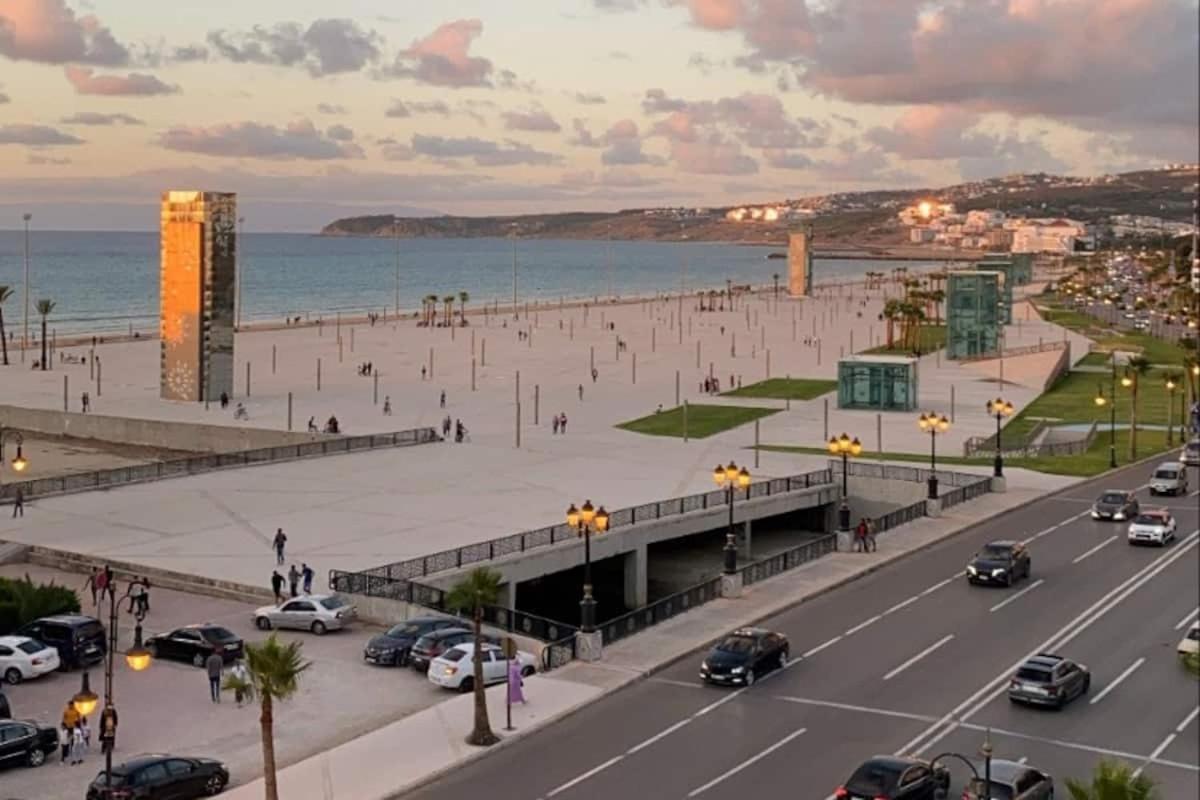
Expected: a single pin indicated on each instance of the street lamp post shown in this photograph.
(237, 324)
(19, 462)
(583, 519)
(1170, 386)
(933, 424)
(1100, 401)
(999, 408)
(731, 478)
(513, 229)
(25, 333)
(845, 447)
(396, 237)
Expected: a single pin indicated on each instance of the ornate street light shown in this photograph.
(731, 478)
(845, 447)
(999, 408)
(933, 424)
(583, 520)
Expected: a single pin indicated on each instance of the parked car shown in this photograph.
(1190, 454)
(432, 645)
(1189, 645)
(1011, 780)
(744, 655)
(455, 669)
(895, 778)
(1049, 680)
(195, 643)
(22, 658)
(312, 612)
(79, 640)
(26, 742)
(1169, 478)
(392, 648)
(1002, 562)
(1115, 504)
(1152, 526)
(161, 777)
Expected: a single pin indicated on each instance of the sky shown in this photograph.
(312, 110)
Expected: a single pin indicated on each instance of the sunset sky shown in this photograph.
(313, 110)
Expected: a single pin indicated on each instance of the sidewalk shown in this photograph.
(432, 741)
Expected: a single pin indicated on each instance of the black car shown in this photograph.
(195, 643)
(744, 655)
(1049, 680)
(1000, 563)
(79, 640)
(161, 777)
(1116, 505)
(433, 644)
(1011, 780)
(392, 648)
(25, 742)
(893, 778)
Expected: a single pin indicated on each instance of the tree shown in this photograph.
(274, 671)
(891, 312)
(1113, 780)
(5, 293)
(481, 587)
(936, 297)
(1135, 368)
(463, 297)
(448, 309)
(44, 307)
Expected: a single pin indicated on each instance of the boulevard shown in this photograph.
(911, 660)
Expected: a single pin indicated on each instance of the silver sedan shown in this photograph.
(314, 612)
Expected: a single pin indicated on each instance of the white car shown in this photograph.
(1152, 526)
(311, 612)
(22, 658)
(1189, 645)
(455, 668)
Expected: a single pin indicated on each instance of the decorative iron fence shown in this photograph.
(211, 462)
(1012, 352)
(901, 516)
(789, 559)
(964, 493)
(558, 654)
(625, 625)
(897, 472)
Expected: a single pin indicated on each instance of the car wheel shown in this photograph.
(527, 670)
(467, 685)
(262, 623)
(783, 659)
(1087, 685)
(318, 628)
(1028, 568)
(36, 757)
(749, 678)
(197, 660)
(214, 785)
(12, 676)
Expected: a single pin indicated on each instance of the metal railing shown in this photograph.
(625, 625)
(897, 472)
(555, 534)
(901, 516)
(1068, 448)
(558, 654)
(788, 559)
(211, 462)
(1012, 352)
(964, 493)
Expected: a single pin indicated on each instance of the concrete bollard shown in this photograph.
(318, 374)
(272, 359)
(66, 389)
(537, 402)
(431, 363)
(472, 374)
(289, 411)
(483, 352)
(247, 379)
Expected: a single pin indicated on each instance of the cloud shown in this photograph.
(536, 120)
(331, 109)
(712, 155)
(482, 152)
(36, 136)
(656, 101)
(394, 151)
(590, 99)
(401, 109)
(340, 133)
(625, 146)
(135, 84)
(188, 52)
(300, 140)
(787, 159)
(48, 32)
(757, 120)
(4, 98)
(325, 47)
(96, 118)
(443, 57)
(46, 161)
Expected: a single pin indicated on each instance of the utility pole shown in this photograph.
(25, 333)
(237, 251)
(396, 236)
(610, 264)
(514, 254)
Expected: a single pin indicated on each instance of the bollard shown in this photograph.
(91, 364)
(518, 424)
(472, 374)
(732, 344)
(272, 359)
(788, 398)
(99, 370)
(677, 387)
(952, 402)
(247, 379)
(318, 374)
(617, 346)
(66, 388)
(756, 450)
(685, 430)
(635, 369)
(537, 401)
(768, 365)
(289, 411)
(825, 402)
(375, 396)
(431, 363)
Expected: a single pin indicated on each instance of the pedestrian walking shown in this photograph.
(87, 732)
(90, 584)
(70, 718)
(85, 403)
(581, 391)
(562, 422)
(312, 425)
(595, 374)
(554, 423)
(516, 683)
(871, 535)
(279, 543)
(306, 572)
(19, 504)
(78, 747)
(135, 595)
(447, 423)
(293, 580)
(143, 603)
(443, 399)
(108, 583)
(860, 536)
(387, 406)
(213, 666)
(240, 677)
(224, 400)
(423, 373)
(277, 586)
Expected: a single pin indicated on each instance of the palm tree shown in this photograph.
(463, 297)
(1135, 368)
(1113, 780)
(891, 312)
(5, 293)
(273, 676)
(448, 309)
(936, 298)
(481, 587)
(430, 309)
(44, 307)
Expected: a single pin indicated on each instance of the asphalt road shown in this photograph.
(909, 659)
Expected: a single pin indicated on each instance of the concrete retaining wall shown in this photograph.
(150, 433)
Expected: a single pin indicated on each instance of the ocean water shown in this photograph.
(108, 282)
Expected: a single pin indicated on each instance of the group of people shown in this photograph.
(864, 536)
(101, 581)
(711, 385)
(460, 430)
(331, 424)
(366, 369)
(559, 423)
(295, 577)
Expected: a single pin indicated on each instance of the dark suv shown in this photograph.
(1001, 562)
(1049, 680)
(79, 640)
(432, 645)
(1116, 504)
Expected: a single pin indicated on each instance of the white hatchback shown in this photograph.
(1152, 526)
(455, 668)
(22, 658)
(1189, 645)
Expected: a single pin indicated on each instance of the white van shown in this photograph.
(1170, 477)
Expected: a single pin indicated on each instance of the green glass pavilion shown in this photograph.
(879, 383)
(974, 304)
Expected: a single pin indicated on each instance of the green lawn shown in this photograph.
(1158, 351)
(785, 389)
(932, 337)
(702, 420)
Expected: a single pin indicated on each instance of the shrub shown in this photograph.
(22, 601)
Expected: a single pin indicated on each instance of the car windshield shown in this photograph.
(873, 779)
(221, 634)
(403, 630)
(1033, 675)
(1166, 473)
(1112, 498)
(32, 646)
(118, 779)
(994, 552)
(739, 645)
(1148, 519)
(454, 654)
(333, 603)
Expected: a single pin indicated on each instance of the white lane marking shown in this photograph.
(821, 647)
(918, 657)
(863, 624)
(660, 735)
(584, 776)
(1117, 681)
(1085, 748)
(905, 604)
(719, 703)
(1094, 550)
(883, 712)
(684, 684)
(939, 585)
(1188, 720)
(1084, 620)
(747, 763)
(1017, 596)
(1158, 751)
(1188, 618)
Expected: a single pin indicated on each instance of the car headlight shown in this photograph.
(704, 666)
(738, 670)
(1095, 514)
(971, 570)
(997, 572)
(1120, 515)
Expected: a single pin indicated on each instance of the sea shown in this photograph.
(108, 282)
